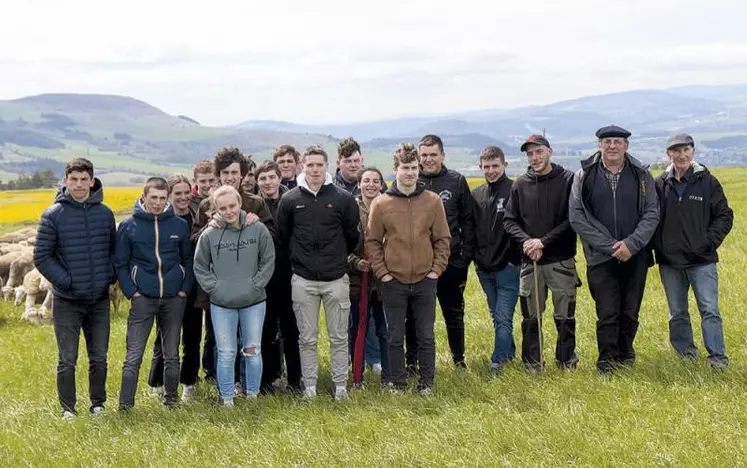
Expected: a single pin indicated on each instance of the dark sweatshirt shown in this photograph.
(538, 209)
(494, 247)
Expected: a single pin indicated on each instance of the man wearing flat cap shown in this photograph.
(695, 219)
(615, 211)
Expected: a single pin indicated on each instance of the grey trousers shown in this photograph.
(307, 297)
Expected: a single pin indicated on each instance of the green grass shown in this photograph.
(663, 412)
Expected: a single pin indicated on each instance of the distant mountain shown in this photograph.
(128, 138)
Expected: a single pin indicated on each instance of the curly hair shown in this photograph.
(347, 147)
(227, 156)
(405, 153)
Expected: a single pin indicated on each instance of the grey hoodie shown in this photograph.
(234, 277)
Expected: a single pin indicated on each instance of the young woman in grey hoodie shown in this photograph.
(233, 265)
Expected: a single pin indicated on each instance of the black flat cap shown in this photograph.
(535, 139)
(612, 131)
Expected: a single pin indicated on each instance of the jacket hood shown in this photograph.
(301, 180)
(228, 227)
(139, 211)
(698, 169)
(393, 190)
(555, 170)
(433, 176)
(343, 182)
(597, 157)
(96, 194)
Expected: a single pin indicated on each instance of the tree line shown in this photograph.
(37, 180)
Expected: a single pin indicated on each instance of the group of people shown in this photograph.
(253, 251)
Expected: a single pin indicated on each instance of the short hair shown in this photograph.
(176, 179)
(282, 150)
(370, 169)
(227, 156)
(250, 162)
(224, 190)
(203, 166)
(156, 183)
(267, 166)
(492, 152)
(430, 140)
(405, 153)
(79, 165)
(347, 148)
(315, 150)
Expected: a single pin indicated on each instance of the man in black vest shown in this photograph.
(615, 211)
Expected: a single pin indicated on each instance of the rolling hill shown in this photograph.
(129, 139)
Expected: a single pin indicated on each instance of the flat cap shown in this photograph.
(535, 139)
(680, 139)
(612, 131)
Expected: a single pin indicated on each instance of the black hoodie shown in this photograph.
(538, 209)
(454, 191)
(494, 247)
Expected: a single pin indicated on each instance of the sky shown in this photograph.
(334, 61)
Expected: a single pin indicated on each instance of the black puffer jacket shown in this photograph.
(494, 247)
(320, 230)
(454, 191)
(694, 225)
(75, 246)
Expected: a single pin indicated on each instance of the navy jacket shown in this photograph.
(153, 255)
(74, 246)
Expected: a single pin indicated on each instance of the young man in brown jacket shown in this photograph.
(408, 243)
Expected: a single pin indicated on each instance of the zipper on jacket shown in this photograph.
(412, 238)
(158, 260)
(90, 254)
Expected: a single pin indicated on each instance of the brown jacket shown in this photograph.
(408, 236)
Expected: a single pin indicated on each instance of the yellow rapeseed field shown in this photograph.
(19, 207)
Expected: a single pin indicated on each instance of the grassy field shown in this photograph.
(663, 412)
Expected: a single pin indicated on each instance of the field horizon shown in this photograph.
(662, 412)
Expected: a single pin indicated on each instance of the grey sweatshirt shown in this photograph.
(234, 265)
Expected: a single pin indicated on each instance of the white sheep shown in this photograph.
(6, 260)
(8, 248)
(31, 241)
(19, 266)
(18, 236)
(34, 284)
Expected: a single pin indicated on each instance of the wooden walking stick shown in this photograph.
(537, 310)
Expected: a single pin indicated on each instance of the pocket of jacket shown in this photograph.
(133, 275)
(234, 292)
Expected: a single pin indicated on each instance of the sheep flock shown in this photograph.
(23, 284)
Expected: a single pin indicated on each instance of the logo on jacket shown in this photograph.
(445, 195)
(173, 236)
(499, 207)
(300, 207)
(695, 198)
(330, 205)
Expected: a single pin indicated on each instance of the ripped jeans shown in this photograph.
(225, 325)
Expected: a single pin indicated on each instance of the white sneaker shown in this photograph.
(156, 391)
(341, 393)
(189, 393)
(68, 415)
(376, 368)
(97, 411)
(251, 396)
(426, 391)
(309, 393)
(228, 402)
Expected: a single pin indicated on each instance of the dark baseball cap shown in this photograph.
(535, 139)
(679, 140)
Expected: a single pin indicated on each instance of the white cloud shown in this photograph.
(330, 60)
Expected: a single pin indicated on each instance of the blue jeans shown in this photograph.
(502, 291)
(704, 281)
(225, 325)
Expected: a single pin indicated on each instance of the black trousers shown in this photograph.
(191, 338)
(450, 294)
(617, 288)
(421, 298)
(280, 335)
(70, 317)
